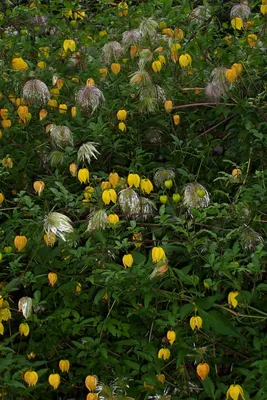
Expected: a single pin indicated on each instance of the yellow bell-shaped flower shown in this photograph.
(114, 179)
(146, 185)
(195, 322)
(115, 68)
(171, 336)
(20, 242)
(185, 60)
(83, 175)
(156, 66)
(122, 126)
(54, 380)
(168, 105)
(52, 278)
(237, 23)
(1, 328)
(203, 370)
(50, 239)
(164, 353)
(64, 365)
(113, 219)
(24, 329)
(38, 187)
(19, 64)
(69, 45)
(23, 112)
(235, 392)
(158, 254)
(133, 180)
(232, 299)
(127, 260)
(91, 382)
(176, 119)
(109, 195)
(31, 378)
(122, 115)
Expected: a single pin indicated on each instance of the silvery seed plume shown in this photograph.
(129, 202)
(192, 200)
(35, 92)
(148, 27)
(97, 220)
(200, 14)
(56, 158)
(162, 175)
(147, 208)
(58, 223)
(146, 56)
(88, 98)
(154, 135)
(241, 10)
(218, 87)
(150, 96)
(112, 51)
(212, 92)
(131, 37)
(250, 239)
(61, 137)
(40, 21)
(86, 151)
(140, 76)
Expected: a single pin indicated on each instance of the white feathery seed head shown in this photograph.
(35, 92)
(58, 223)
(86, 151)
(88, 98)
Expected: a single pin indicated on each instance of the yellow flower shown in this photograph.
(20, 242)
(38, 187)
(54, 92)
(22, 112)
(175, 47)
(24, 329)
(237, 23)
(1, 328)
(105, 185)
(78, 288)
(73, 169)
(146, 185)
(43, 51)
(52, 278)
(69, 45)
(232, 299)
(158, 254)
(113, 219)
(122, 115)
(263, 9)
(92, 396)
(115, 68)
(164, 353)
(7, 162)
(4, 113)
(32, 355)
(156, 66)
(90, 82)
(31, 378)
(185, 60)
(161, 378)
(238, 67)
(167, 31)
(109, 195)
(62, 108)
(73, 112)
(114, 179)
(178, 33)
(137, 237)
(5, 314)
(88, 191)
(2, 198)
(52, 103)
(50, 239)
(83, 175)
(236, 172)
(54, 380)
(103, 72)
(176, 119)
(41, 64)
(203, 370)
(133, 180)
(168, 105)
(122, 9)
(91, 382)
(6, 123)
(19, 64)
(252, 40)
(196, 322)
(162, 59)
(171, 336)
(42, 114)
(122, 126)
(235, 392)
(231, 74)
(127, 260)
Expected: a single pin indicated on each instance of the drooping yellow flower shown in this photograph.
(6, 123)
(161, 378)
(52, 278)
(92, 396)
(88, 191)
(103, 72)
(42, 114)
(171, 336)
(235, 392)
(5, 314)
(236, 172)
(39, 187)
(162, 59)
(90, 82)
(158, 254)
(73, 168)
(195, 322)
(64, 365)
(83, 175)
(109, 195)
(175, 47)
(231, 74)
(115, 68)
(263, 9)
(122, 126)
(50, 239)
(176, 119)
(69, 45)
(185, 60)
(73, 111)
(1, 328)
(122, 115)
(41, 64)
(113, 219)
(22, 112)
(127, 260)
(105, 185)
(114, 179)
(2, 198)
(91, 382)
(164, 353)
(146, 185)
(31, 378)
(178, 33)
(232, 299)
(43, 51)
(137, 237)
(54, 92)
(52, 103)
(19, 64)
(24, 329)
(7, 162)
(31, 356)
(168, 105)
(20, 242)
(238, 67)
(156, 66)
(237, 23)
(4, 113)
(54, 380)
(252, 39)
(122, 9)
(203, 370)
(167, 31)
(62, 108)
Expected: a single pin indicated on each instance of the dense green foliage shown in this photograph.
(107, 318)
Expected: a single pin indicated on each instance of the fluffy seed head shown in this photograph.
(35, 92)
